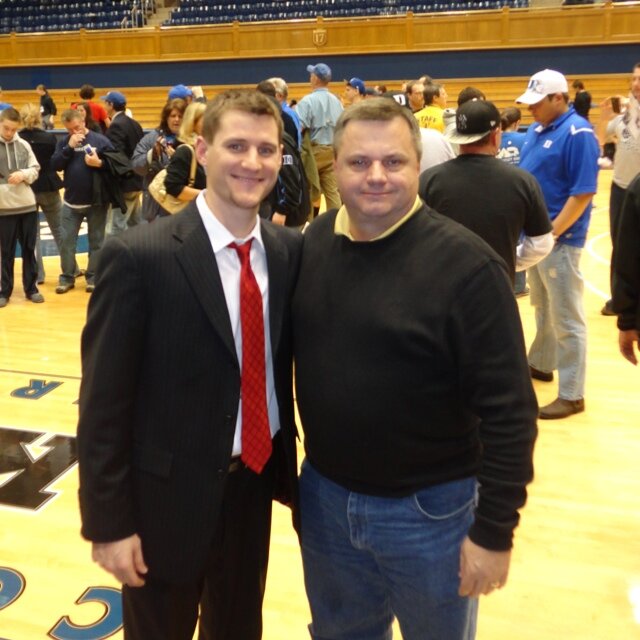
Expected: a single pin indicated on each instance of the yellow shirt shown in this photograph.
(341, 226)
(430, 118)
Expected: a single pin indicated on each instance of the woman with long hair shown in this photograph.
(85, 109)
(154, 151)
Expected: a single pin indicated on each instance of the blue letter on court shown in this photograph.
(110, 623)
(35, 390)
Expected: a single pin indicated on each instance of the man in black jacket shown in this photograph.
(124, 133)
(626, 273)
(414, 393)
(175, 504)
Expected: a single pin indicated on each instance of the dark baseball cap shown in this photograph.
(474, 120)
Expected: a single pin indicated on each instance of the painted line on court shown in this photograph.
(37, 373)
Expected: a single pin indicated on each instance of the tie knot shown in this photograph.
(243, 250)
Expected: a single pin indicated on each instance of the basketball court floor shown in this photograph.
(576, 565)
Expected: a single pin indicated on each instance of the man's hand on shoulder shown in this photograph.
(482, 570)
(123, 559)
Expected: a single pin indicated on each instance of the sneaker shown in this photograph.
(63, 288)
(36, 297)
(90, 288)
(4, 302)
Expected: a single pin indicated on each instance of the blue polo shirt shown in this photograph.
(564, 159)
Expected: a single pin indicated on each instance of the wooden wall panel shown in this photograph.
(568, 26)
(209, 42)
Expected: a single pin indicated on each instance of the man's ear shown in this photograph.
(201, 148)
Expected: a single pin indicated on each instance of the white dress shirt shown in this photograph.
(229, 268)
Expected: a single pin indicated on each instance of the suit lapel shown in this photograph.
(196, 257)
(277, 268)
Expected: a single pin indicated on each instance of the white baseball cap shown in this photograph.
(542, 84)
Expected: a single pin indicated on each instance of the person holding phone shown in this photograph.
(154, 151)
(624, 124)
(78, 156)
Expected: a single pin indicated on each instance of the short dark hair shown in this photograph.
(509, 116)
(87, 92)
(266, 87)
(244, 100)
(578, 84)
(470, 93)
(430, 92)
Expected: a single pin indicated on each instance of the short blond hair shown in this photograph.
(31, 118)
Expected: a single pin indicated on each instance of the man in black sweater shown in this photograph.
(415, 397)
(626, 273)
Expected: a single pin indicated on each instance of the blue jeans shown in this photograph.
(561, 338)
(367, 559)
(117, 222)
(51, 204)
(70, 221)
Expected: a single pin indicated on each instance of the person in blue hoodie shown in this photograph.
(18, 210)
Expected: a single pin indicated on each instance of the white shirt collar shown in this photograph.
(219, 236)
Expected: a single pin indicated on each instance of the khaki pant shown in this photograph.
(323, 155)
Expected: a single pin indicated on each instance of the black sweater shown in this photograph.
(411, 369)
(626, 261)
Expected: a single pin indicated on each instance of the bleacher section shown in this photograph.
(28, 16)
(196, 12)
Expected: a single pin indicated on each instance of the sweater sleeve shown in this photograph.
(178, 170)
(496, 385)
(626, 262)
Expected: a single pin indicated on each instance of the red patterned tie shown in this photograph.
(256, 435)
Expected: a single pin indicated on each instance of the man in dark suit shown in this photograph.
(172, 494)
(124, 133)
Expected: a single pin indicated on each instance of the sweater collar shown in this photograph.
(341, 225)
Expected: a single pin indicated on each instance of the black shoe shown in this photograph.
(607, 310)
(521, 294)
(90, 287)
(545, 376)
(63, 288)
(561, 408)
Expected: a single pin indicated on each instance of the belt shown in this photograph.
(236, 464)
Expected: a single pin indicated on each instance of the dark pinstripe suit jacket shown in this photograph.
(160, 389)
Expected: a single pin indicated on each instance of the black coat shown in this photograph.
(125, 133)
(161, 386)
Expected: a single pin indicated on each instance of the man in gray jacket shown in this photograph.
(18, 210)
